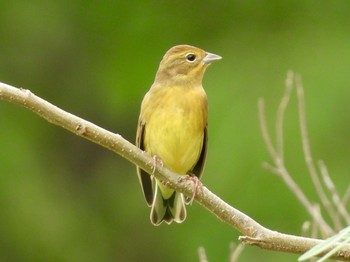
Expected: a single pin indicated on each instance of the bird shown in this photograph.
(173, 127)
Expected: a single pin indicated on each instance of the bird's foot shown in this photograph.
(156, 161)
(197, 186)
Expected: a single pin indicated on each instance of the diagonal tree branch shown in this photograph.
(255, 234)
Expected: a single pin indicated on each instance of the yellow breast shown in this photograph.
(175, 121)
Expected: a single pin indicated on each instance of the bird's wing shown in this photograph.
(199, 167)
(144, 178)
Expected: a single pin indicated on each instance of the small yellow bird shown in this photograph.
(172, 127)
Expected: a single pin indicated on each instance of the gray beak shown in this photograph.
(211, 57)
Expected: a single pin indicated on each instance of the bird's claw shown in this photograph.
(197, 185)
(156, 161)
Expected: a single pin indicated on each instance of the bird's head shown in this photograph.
(184, 64)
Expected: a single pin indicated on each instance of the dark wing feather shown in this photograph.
(144, 178)
(199, 167)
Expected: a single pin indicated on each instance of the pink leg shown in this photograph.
(156, 161)
(197, 185)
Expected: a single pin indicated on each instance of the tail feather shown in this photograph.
(168, 210)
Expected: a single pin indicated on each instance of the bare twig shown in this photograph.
(335, 208)
(255, 233)
(280, 114)
(271, 168)
(277, 155)
(235, 251)
(202, 255)
(307, 152)
(264, 130)
(346, 197)
(305, 228)
(341, 210)
(294, 187)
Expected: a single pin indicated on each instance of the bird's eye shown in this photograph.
(191, 57)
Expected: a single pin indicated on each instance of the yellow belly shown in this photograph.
(175, 141)
(175, 126)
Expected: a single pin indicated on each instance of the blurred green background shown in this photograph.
(65, 199)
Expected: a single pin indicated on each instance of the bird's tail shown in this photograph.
(168, 210)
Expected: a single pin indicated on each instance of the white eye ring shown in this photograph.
(190, 57)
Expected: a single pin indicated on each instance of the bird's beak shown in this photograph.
(211, 57)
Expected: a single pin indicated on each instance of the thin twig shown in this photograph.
(314, 230)
(202, 255)
(307, 152)
(280, 114)
(330, 186)
(279, 167)
(335, 196)
(306, 228)
(346, 197)
(264, 130)
(235, 251)
(270, 168)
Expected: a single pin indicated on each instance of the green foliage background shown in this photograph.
(65, 199)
